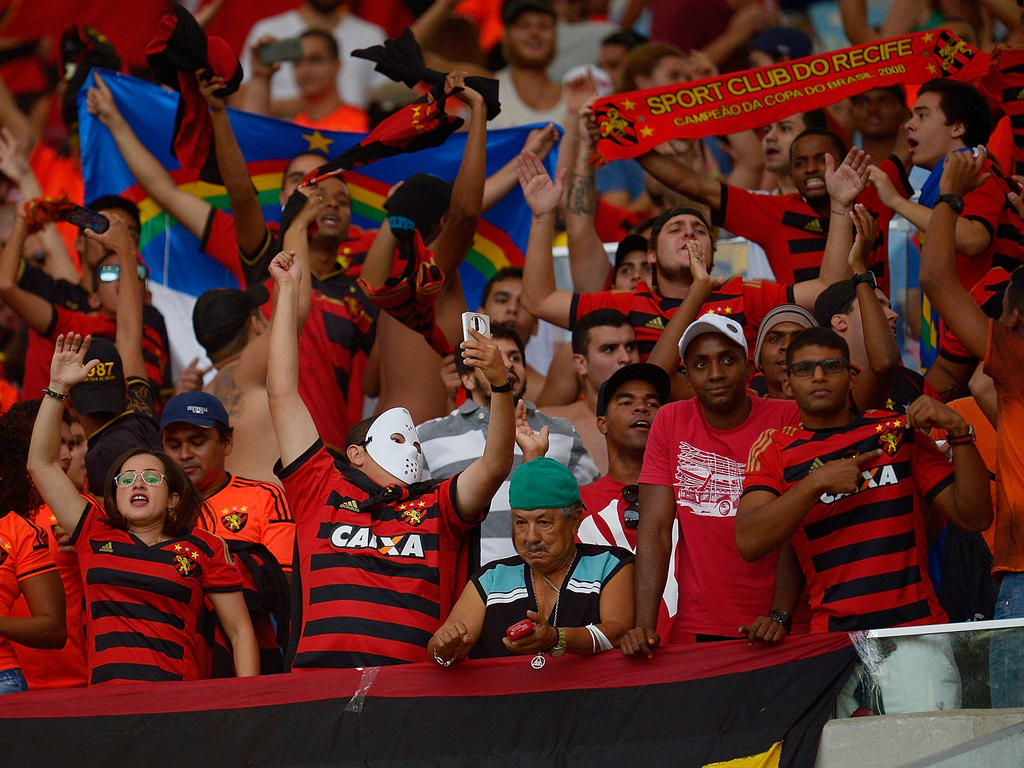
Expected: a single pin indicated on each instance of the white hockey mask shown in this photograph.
(404, 460)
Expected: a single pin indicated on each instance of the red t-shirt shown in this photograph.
(793, 235)
(746, 302)
(24, 553)
(719, 590)
(864, 554)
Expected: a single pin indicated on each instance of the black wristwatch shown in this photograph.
(866, 277)
(506, 387)
(956, 202)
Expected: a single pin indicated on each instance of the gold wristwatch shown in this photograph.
(559, 649)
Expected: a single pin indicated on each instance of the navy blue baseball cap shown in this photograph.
(200, 409)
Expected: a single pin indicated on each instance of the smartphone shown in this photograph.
(285, 49)
(520, 629)
(84, 218)
(478, 321)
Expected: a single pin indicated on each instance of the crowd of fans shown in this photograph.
(357, 476)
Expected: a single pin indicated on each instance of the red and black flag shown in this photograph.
(691, 706)
(176, 53)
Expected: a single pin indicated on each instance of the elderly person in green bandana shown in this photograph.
(556, 596)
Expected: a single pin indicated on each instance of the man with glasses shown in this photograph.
(693, 473)
(626, 405)
(853, 492)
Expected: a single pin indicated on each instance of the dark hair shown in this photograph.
(1015, 290)
(896, 90)
(17, 492)
(817, 337)
(498, 331)
(627, 38)
(327, 37)
(815, 118)
(116, 202)
(962, 103)
(177, 521)
(596, 319)
(357, 434)
(505, 273)
(837, 142)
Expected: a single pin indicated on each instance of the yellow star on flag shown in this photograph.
(646, 131)
(933, 69)
(728, 310)
(245, 508)
(177, 547)
(318, 142)
(929, 36)
(879, 427)
(628, 105)
(195, 555)
(897, 424)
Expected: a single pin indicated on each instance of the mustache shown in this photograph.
(534, 549)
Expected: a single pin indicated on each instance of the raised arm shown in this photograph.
(466, 206)
(588, 262)
(188, 209)
(967, 503)
(539, 141)
(682, 178)
(960, 174)
(250, 225)
(844, 184)
(871, 387)
(35, 311)
(542, 195)
(293, 425)
(67, 368)
(479, 482)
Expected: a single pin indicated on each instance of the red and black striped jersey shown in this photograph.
(988, 293)
(864, 554)
(746, 302)
(144, 602)
(252, 510)
(376, 578)
(792, 233)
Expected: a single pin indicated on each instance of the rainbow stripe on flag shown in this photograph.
(267, 143)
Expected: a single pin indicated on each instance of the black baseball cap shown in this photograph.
(648, 372)
(627, 245)
(832, 300)
(102, 391)
(511, 9)
(220, 314)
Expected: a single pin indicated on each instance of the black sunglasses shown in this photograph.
(631, 515)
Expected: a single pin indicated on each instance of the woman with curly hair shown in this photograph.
(146, 567)
(26, 565)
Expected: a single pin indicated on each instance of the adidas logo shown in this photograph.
(816, 464)
(814, 226)
(657, 323)
(108, 548)
(350, 505)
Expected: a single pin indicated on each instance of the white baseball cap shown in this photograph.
(712, 323)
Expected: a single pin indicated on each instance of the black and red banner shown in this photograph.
(635, 122)
(695, 705)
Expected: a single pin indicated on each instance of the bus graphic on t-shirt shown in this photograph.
(706, 483)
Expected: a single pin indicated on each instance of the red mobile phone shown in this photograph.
(520, 629)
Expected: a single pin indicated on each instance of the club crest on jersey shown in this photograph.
(5, 549)
(413, 512)
(353, 537)
(235, 518)
(185, 559)
(891, 436)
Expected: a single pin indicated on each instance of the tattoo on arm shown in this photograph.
(582, 198)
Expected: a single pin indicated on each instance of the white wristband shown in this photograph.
(599, 638)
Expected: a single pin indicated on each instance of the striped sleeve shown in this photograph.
(764, 465)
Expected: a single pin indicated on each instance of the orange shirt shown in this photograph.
(58, 667)
(1004, 361)
(344, 118)
(252, 510)
(24, 553)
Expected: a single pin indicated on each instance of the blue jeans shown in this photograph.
(12, 681)
(1006, 653)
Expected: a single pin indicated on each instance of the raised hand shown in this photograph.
(540, 141)
(455, 83)
(532, 444)
(847, 181)
(480, 352)
(209, 85)
(13, 163)
(191, 378)
(927, 413)
(866, 229)
(313, 207)
(883, 185)
(117, 238)
(68, 366)
(541, 193)
(698, 265)
(100, 102)
(285, 268)
(961, 171)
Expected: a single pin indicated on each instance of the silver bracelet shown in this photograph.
(441, 661)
